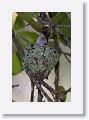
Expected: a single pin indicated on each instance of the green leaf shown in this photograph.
(61, 89)
(31, 37)
(16, 64)
(19, 23)
(28, 17)
(63, 19)
(60, 39)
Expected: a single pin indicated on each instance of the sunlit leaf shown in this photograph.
(19, 24)
(28, 17)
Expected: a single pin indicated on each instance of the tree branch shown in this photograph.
(62, 26)
(40, 96)
(43, 91)
(49, 87)
(67, 58)
(54, 92)
(66, 53)
(69, 90)
(32, 91)
(57, 68)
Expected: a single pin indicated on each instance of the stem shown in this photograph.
(66, 53)
(57, 67)
(69, 90)
(49, 88)
(13, 86)
(32, 92)
(63, 26)
(41, 90)
(67, 58)
(40, 96)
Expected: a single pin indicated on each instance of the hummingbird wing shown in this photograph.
(41, 40)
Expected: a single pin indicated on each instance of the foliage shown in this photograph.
(16, 64)
(61, 89)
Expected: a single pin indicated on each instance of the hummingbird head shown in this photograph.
(46, 32)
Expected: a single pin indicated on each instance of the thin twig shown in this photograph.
(63, 26)
(57, 69)
(69, 90)
(66, 53)
(42, 90)
(67, 58)
(40, 96)
(13, 86)
(52, 91)
(49, 87)
(32, 91)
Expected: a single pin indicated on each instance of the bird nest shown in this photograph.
(38, 61)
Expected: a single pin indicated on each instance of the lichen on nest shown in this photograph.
(38, 60)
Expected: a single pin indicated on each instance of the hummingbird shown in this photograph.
(39, 59)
